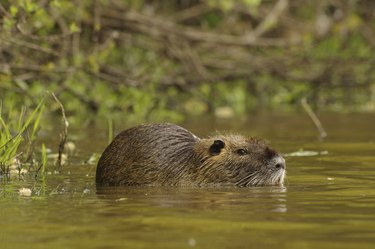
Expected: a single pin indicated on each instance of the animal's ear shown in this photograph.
(216, 147)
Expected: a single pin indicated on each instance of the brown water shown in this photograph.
(328, 200)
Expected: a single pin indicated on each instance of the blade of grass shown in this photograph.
(44, 158)
(37, 122)
(9, 144)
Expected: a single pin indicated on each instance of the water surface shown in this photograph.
(328, 200)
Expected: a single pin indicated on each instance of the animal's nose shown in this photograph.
(280, 163)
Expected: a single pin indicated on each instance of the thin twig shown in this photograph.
(36, 68)
(156, 27)
(314, 118)
(29, 45)
(63, 134)
(183, 52)
(191, 12)
(271, 19)
(5, 11)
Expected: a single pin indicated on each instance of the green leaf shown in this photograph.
(13, 10)
(74, 28)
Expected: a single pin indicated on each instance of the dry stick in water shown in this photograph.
(63, 134)
(314, 118)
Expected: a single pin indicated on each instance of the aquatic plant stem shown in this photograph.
(314, 118)
(110, 130)
(63, 134)
(43, 163)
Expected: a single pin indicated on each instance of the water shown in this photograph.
(328, 200)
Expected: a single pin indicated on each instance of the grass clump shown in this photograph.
(17, 139)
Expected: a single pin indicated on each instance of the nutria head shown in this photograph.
(239, 161)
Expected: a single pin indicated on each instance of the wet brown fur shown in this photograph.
(167, 154)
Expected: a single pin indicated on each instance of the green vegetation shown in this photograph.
(162, 60)
(15, 134)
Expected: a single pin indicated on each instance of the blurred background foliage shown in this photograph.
(164, 60)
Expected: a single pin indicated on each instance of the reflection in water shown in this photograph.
(193, 197)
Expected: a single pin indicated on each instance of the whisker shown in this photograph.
(244, 179)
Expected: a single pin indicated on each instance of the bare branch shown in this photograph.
(157, 27)
(314, 118)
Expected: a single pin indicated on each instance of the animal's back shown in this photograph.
(153, 154)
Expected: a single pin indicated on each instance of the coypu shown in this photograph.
(167, 154)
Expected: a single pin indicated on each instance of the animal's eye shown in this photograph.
(241, 152)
